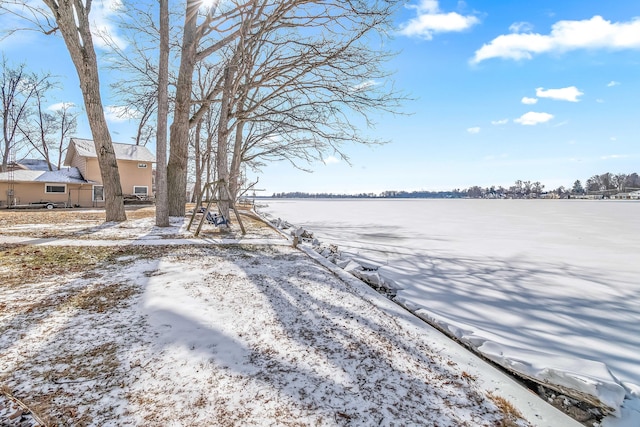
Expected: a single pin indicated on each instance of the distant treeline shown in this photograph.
(606, 184)
(385, 194)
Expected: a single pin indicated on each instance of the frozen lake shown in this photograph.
(561, 277)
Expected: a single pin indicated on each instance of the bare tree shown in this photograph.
(162, 206)
(18, 89)
(595, 184)
(289, 78)
(537, 188)
(619, 180)
(72, 20)
(632, 182)
(45, 131)
(205, 133)
(225, 25)
(67, 122)
(294, 79)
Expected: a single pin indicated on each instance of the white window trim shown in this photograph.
(55, 185)
(143, 165)
(146, 190)
(93, 193)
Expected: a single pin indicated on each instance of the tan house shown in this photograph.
(80, 183)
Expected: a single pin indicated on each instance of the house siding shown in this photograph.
(30, 192)
(133, 176)
(130, 174)
(92, 168)
(80, 163)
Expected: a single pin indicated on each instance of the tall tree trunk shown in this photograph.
(236, 162)
(162, 207)
(179, 138)
(72, 17)
(197, 187)
(210, 169)
(222, 154)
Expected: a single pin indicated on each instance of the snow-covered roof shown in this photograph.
(67, 176)
(34, 164)
(86, 148)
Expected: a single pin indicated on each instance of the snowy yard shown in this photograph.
(112, 331)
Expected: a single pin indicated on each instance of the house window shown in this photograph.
(55, 188)
(140, 191)
(142, 165)
(98, 193)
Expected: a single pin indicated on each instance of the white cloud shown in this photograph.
(532, 118)
(594, 33)
(613, 83)
(331, 160)
(521, 27)
(473, 130)
(613, 138)
(529, 101)
(570, 93)
(364, 86)
(500, 122)
(431, 20)
(119, 114)
(614, 156)
(600, 101)
(61, 105)
(102, 25)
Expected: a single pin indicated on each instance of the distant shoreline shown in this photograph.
(352, 197)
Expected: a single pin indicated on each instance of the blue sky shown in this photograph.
(504, 90)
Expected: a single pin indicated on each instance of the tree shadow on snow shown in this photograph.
(552, 307)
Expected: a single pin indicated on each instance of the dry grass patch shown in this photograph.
(22, 264)
(9, 217)
(510, 413)
(100, 298)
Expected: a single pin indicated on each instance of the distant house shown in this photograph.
(633, 195)
(80, 183)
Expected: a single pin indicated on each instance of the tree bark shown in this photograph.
(162, 207)
(72, 17)
(222, 156)
(179, 138)
(236, 161)
(197, 187)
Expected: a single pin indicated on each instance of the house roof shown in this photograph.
(33, 164)
(63, 176)
(86, 148)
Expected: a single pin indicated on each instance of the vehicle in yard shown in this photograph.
(46, 204)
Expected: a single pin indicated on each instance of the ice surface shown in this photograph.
(549, 288)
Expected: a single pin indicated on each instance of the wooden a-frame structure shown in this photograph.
(216, 188)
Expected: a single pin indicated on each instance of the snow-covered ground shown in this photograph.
(117, 329)
(547, 288)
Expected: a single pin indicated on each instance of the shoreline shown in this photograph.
(588, 404)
